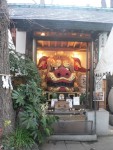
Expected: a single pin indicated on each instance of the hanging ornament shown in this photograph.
(10, 84)
(6, 79)
(5, 82)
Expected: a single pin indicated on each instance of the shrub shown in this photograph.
(29, 99)
(19, 140)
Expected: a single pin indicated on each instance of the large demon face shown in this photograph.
(58, 73)
(60, 76)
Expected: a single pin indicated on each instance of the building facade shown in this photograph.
(66, 44)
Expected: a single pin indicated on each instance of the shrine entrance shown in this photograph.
(65, 43)
(65, 67)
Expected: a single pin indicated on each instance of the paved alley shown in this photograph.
(103, 143)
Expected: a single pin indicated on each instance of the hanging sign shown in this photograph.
(98, 96)
(98, 84)
(102, 41)
(76, 101)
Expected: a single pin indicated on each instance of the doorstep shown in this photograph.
(79, 138)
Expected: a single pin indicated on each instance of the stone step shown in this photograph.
(73, 127)
(72, 117)
(79, 138)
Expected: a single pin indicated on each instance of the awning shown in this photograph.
(105, 64)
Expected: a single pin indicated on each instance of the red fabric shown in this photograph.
(78, 66)
(42, 63)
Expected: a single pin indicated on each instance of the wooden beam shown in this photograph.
(60, 49)
(74, 44)
(61, 38)
(38, 25)
(67, 44)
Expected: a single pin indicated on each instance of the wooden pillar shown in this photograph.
(87, 73)
(29, 45)
(34, 51)
(91, 74)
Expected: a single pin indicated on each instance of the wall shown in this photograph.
(20, 41)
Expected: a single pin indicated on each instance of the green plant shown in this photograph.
(19, 140)
(82, 98)
(29, 99)
(23, 67)
(32, 112)
(54, 95)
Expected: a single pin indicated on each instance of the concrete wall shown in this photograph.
(20, 41)
(102, 121)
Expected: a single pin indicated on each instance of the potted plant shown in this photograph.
(82, 98)
(54, 96)
(54, 99)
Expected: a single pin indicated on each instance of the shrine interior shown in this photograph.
(63, 61)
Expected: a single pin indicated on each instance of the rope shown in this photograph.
(5, 75)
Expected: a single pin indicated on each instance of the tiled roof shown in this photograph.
(96, 15)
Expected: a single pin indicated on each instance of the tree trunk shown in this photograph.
(6, 107)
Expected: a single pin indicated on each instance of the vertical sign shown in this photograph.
(98, 84)
(102, 42)
(98, 94)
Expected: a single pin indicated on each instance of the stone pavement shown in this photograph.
(102, 143)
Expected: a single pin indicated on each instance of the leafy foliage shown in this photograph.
(23, 66)
(19, 140)
(29, 99)
(54, 95)
(82, 97)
